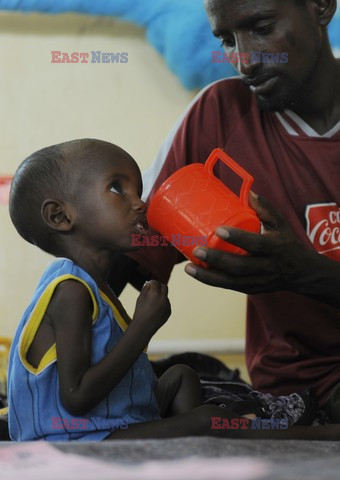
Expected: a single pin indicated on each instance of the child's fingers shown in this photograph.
(164, 289)
(153, 285)
(156, 287)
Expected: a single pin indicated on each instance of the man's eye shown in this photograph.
(228, 42)
(263, 29)
(116, 188)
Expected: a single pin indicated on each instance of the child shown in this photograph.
(78, 368)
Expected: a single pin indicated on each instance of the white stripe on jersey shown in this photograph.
(309, 130)
(286, 125)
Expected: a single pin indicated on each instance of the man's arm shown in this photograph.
(278, 261)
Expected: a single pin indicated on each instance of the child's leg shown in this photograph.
(193, 423)
(198, 422)
(178, 391)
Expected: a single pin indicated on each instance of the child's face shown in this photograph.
(108, 206)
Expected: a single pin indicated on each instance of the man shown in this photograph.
(281, 122)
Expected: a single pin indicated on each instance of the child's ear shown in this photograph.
(57, 215)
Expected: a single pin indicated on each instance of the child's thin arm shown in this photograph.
(83, 386)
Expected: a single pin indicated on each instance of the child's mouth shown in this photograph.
(142, 227)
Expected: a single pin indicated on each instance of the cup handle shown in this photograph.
(219, 154)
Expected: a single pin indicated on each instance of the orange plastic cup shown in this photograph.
(190, 205)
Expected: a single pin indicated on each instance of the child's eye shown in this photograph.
(116, 188)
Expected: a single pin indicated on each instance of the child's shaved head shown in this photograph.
(50, 173)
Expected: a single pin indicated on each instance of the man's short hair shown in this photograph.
(300, 3)
(40, 176)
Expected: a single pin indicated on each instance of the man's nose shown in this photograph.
(250, 64)
(249, 57)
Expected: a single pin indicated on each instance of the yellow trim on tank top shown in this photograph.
(118, 316)
(33, 323)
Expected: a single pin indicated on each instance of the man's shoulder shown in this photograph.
(232, 87)
(229, 94)
(232, 83)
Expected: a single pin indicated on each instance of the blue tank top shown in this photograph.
(35, 408)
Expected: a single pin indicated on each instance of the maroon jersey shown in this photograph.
(292, 341)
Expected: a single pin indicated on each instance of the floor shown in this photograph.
(288, 460)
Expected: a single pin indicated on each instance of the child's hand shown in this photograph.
(153, 307)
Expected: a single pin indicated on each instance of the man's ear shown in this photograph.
(57, 215)
(325, 11)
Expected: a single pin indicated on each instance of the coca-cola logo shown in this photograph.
(323, 228)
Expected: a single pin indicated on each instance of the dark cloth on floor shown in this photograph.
(223, 387)
(332, 405)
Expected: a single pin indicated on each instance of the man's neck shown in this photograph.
(320, 106)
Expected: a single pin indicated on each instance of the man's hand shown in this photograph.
(277, 261)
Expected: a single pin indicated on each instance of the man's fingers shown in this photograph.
(250, 284)
(209, 277)
(251, 242)
(269, 217)
(234, 265)
(215, 258)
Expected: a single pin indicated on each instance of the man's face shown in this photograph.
(270, 26)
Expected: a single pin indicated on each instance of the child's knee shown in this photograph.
(178, 390)
(184, 372)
